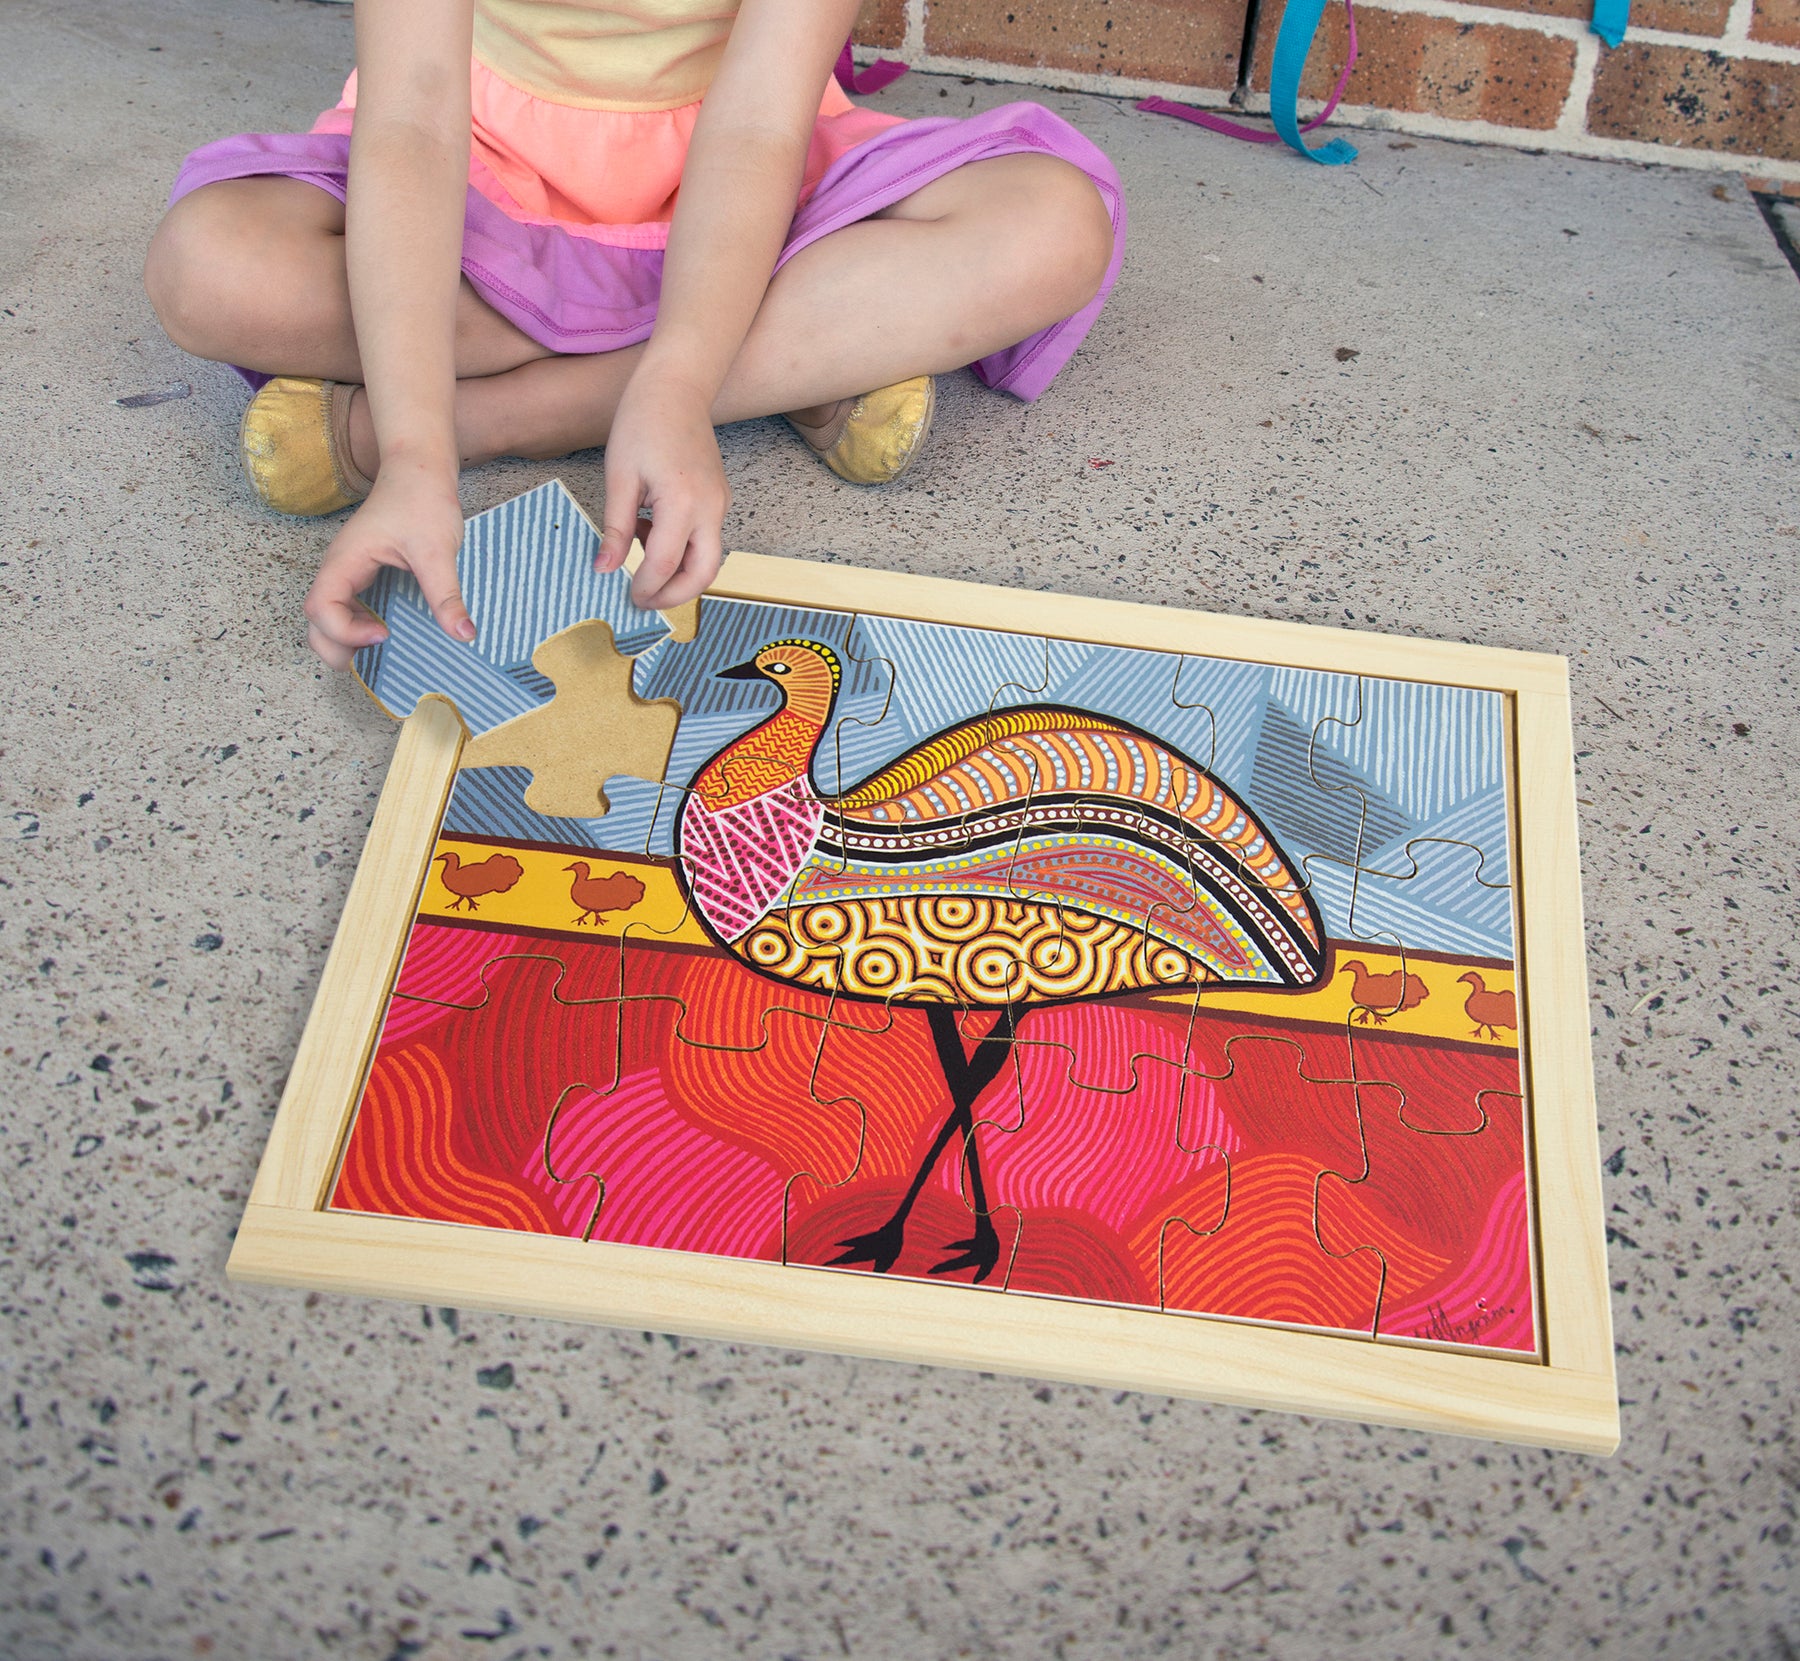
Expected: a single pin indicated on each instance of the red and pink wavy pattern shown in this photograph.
(1134, 1153)
(1487, 1302)
(666, 1182)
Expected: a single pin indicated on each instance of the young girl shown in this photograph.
(583, 139)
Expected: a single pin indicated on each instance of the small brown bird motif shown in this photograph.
(1488, 1010)
(493, 875)
(616, 891)
(1381, 997)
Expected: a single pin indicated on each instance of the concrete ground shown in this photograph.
(1570, 426)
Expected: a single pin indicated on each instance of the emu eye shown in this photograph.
(777, 669)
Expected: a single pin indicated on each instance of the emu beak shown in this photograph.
(740, 672)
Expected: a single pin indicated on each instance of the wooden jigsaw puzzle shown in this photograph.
(900, 966)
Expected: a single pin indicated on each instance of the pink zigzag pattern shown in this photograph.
(740, 860)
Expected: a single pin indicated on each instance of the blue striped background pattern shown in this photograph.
(1389, 795)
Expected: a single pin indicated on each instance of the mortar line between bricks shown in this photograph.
(1572, 122)
(913, 38)
(1575, 28)
(1054, 80)
(1738, 21)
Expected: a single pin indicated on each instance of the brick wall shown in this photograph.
(1708, 83)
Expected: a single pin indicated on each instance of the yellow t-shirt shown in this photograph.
(628, 55)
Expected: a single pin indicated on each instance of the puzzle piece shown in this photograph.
(526, 572)
(1305, 1224)
(442, 971)
(939, 1149)
(1471, 916)
(773, 1108)
(1085, 1213)
(852, 734)
(1448, 1226)
(1411, 868)
(1330, 776)
(1242, 1243)
(611, 1151)
(822, 1219)
(708, 1023)
(455, 1109)
(1204, 756)
(740, 1122)
(593, 729)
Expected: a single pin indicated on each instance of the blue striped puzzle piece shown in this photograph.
(526, 570)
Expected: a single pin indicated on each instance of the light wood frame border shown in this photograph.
(1568, 1400)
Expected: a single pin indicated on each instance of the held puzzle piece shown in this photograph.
(917, 969)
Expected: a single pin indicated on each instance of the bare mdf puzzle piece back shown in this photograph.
(593, 729)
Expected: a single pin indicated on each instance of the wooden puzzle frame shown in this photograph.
(1564, 1398)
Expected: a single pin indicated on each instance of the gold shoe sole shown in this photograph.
(883, 434)
(294, 444)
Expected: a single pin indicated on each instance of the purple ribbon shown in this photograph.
(1257, 135)
(881, 73)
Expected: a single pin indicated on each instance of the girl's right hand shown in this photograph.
(411, 520)
(663, 455)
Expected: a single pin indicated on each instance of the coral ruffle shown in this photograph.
(606, 175)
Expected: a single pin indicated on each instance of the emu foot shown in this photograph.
(980, 1252)
(879, 1248)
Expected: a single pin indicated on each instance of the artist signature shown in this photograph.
(1447, 1331)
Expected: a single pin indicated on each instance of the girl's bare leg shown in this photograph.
(251, 271)
(972, 263)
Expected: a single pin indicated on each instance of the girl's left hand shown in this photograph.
(410, 520)
(662, 456)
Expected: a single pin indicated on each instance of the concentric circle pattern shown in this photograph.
(959, 949)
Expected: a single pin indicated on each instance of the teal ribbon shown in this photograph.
(1299, 23)
(1610, 18)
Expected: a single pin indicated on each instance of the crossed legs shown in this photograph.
(251, 271)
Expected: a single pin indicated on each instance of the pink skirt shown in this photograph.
(568, 210)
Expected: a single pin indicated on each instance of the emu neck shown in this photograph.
(776, 753)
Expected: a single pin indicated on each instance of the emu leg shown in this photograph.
(981, 1251)
(967, 1075)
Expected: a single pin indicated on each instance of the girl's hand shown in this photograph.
(411, 520)
(662, 455)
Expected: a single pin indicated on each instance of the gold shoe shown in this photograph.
(875, 438)
(295, 446)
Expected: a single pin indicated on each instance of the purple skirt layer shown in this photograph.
(571, 294)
